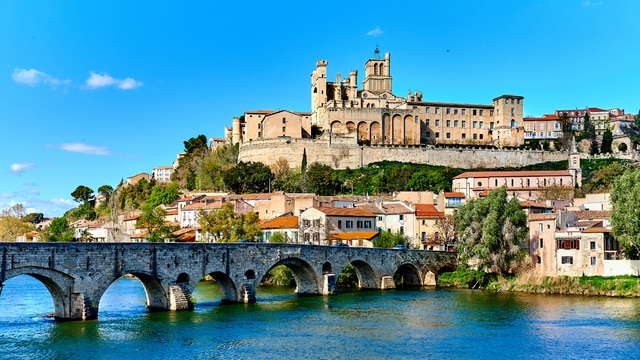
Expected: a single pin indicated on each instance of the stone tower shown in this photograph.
(574, 164)
(318, 91)
(378, 75)
(507, 120)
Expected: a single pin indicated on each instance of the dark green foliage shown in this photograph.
(624, 215)
(319, 179)
(491, 231)
(303, 166)
(162, 194)
(60, 231)
(33, 218)
(279, 276)
(633, 130)
(82, 194)
(195, 144)
(607, 140)
(387, 239)
(348, 278)
(247, 177)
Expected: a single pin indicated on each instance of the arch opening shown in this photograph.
(27, 297)
(214, 289)
(407, 276)
(293, 273)
(125, 296)
(359, 275)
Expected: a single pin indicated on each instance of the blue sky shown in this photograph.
(92, 92)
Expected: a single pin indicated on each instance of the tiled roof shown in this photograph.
(368, 235)
(396, 209)
(261, 196)
(521, 173)
(453, 194)
(540, 217)
(343, 211)
(282, 222)
(202, 206)
(593, 214)
(427, 210)
(534, 204)
(370, 208)
(597, 229)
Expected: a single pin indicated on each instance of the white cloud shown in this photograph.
(96, 81)
(592, 3)
(375, 32)
(19, 168)
(6, 195)
(33, 77)
(83, 148)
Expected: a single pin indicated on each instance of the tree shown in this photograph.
(152, 219)
(555, 192)
(318, 179)
(387, 239)
(17, 210)
(162, 194)
(11, 227)
(304, 160)
(248, 177)
(82, 194)
(58, 231)
(491, 230)
(633, 130)
(607, 140)
(195, 144)
(625, 221)
(446, 227)
(427, 180)
(106, 191)
(34, 218)
(224, 225)
(277, 238)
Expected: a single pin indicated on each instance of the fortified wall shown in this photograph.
(345, 154)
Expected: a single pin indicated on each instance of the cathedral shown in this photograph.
(374, 115)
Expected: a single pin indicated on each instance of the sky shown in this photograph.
(92, 92)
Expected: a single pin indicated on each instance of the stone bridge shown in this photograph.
(78, 274)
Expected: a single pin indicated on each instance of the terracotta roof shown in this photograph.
(343, 211)
(586, 223)
(593, 214)
(396, 209)
(261, 196)
(596, 229)
(428, 210)
(595, 109)
(540, 217)
(202, 206)
(139, 235)
(282, 222)
(534, 204)
(370, 208)
(368, 235)
(515, 173)
(172, 212)
(454, 194)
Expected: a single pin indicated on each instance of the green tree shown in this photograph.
(162, 194)
(82, 194)
(106, 191)
(195, 144)
(152, 219)
(224, 225)
(34, 218)
(277, 238)
(607, 140)
(59, 231)
(625, 221)
(633, 130)
(429, 179)
(248, 177)
(387, 239)
(11, 227)
(304, 160)
(491, 230)
(318, 179)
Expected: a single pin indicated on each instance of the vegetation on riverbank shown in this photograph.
(617, 286)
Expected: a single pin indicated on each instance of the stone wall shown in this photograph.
(345, 155)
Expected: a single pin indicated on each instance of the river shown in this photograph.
(391, 324)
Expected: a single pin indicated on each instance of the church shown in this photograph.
(374, 115)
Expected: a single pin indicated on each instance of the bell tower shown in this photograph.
(377, 78)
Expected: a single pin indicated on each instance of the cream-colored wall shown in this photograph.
(546, 252)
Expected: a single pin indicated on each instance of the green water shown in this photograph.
(451, 324)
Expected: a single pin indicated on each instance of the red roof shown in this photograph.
(454, 194)
(427, 210)
(282, 222)
(515, 173)
(367, 235)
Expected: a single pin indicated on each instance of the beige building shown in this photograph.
(162, 174)
(547, 127)
(318, 225)
(375, 115)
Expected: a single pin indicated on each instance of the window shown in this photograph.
(349, 224)
(495, 182)
(437, 134)
(359, 224)
(481, 136)
(401, 217)
(568, 244)
(475, 124)
(426, 110)
(541, 243)
(539, 260)
(593, 245)
(464, 136)
(541, 126)
(448, 111)
(491, 125)
(339, 224)
(455, 111)
(464, 111)
(379, 218)
(567, 260)
(448, 135)
(593, 261)
(437, 122)
(448, 123)
(367, 224)
(284, 120)
(401, 229)
(284, 129)
(437, 110)
(426, 122)
(464, 123)
(475, 136)
(490, 112)
(540, 227)
(481, 124)
(513, 111)
(455, 123)
(427, 134)
(474, 112)
(511, 182)
(481, 112)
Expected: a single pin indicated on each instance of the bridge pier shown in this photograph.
(248, 295)
(387, 282)
(330, 284)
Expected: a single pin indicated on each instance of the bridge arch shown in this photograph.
(367, 277)
(228, 288)
(156, 294)
(407, 275)
(307, 282)
(57, 283)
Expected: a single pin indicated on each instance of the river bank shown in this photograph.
(615, 286)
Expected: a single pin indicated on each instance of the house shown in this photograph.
(286, 225)
(318, 224)
(400, 218)
(132, 180)
(162, 174)
(426, 227)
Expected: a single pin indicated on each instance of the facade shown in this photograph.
(132, 180)
(286, 225)
(318, 224)
(162, 174)
(547, 127)
(426, 230)
(375, 115)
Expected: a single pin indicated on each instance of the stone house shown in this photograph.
(427, 233)
(318, 224)
(286, 225)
